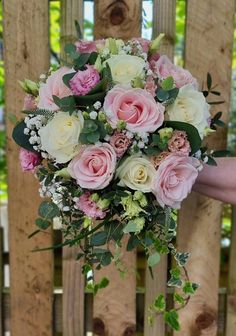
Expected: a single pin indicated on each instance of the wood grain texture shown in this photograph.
(73, 280)
(117, 18)
(231, 298)
(114, 306)
(163, 22)
(164, 12)
(209, 37)
(120, 19)
(26, 55)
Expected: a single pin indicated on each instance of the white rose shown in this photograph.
(137, 173)
(60, 136)
(191, 107)
(125, 68)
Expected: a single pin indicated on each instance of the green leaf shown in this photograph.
(167, 84)
(160, 303)
(66, 104)
(70, 49)
(93, 137)
(67, 77)
(43, 224)
(173, 93)
(90, 126)
(88, 100)
(182, 258)
(80, 62)
(172, 319)
(20, 138)
(150, 151)
(103, 283)
(99, 238)
(48, 210)
(78, 30)
(179, 299)
(133, 242)
(221, 153)
(189, 288)
(93, 57)
(162, 95)
(209, 81)
(153, 259)
(192, 133)
(211, 161)
(131, 227)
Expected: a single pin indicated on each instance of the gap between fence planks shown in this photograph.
(209, 36)
(164, 15)
(115, 306)
(231, 297)
(73, 279)
(26, 55)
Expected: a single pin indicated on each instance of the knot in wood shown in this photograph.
(117, 15)
(205, 320)
(129, 331)
(98, 327)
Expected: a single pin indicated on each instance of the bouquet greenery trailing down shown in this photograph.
(115, 140)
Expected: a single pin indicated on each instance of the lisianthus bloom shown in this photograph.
(54, 86)
(60, 136)
(84, 80)
(165, 68)
(88, 206)
(29, 160)
(145, 43)
(120, 142)
(191, 107)
(179, 143)
(136, 107)
(94, 166)
(150, 86)
(137, 173)
(84, 47)
(174, 179)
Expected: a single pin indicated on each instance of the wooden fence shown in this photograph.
(35, 305)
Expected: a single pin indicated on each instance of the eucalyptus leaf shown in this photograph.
(153, 259)
(48, 210)
(43, 224)
(99, 238)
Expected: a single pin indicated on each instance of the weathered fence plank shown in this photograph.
(209, 36)
(26, 54)
(117, 19)
(73, 280)
(231, 297)
(163, 22)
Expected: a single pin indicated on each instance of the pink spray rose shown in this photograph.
(84, 81)
(93, 168)
(54, 86)
(179, 143)
(174, 180)
(84, 47)
(29, 103)
(165, 68)
(90, 208)
(120, 142)
(143, 42)
(29, 160)
(136, 107)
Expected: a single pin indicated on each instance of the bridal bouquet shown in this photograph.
(115, 140)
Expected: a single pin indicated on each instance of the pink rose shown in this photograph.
(174, 180)
(84, 81)
(94, 167)
(85, 47)
(135, 106)
(150, 86)
(54, 86)
(165, 68)
(90, 208)
(29, 102)
(179, 143)
(29, 160)
(143, 42)
(120, 142)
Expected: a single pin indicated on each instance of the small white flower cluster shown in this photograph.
(33, 124)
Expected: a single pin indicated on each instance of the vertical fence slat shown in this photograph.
(26, 55)
(231, 298)
(163, 22)
(114, 307)
(209, 36)
(73, 280)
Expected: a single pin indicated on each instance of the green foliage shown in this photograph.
(92, 131)
(20, 138)
(172, 319)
